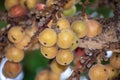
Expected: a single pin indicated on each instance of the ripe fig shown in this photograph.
(11, 70)
(23, 43)
(57, 68)
(115, 60)
(80, 28)
(49, 52)
(112, 72)
(94, 28)
(48, 37)
(16, 34)
(65, 38)
(14, 54)
(98, 72)
(63, 23)
(64, 57)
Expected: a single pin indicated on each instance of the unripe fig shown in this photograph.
(63, 23)
(42, 75)
(64, 57)
(57, 68)
(10, 3)
(69, 4)
(49, 52)
(98, 72)
(16, 34)
(14, 54)
(115, 60)
(65, 38)
(48, 37)
(11, 70)
(112, 72)
(17, 11)
(94, 28)
(23, 43)
(80, 28)
(70, 12)
(31, 4)
(54, 76)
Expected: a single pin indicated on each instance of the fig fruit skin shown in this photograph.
(69, 4)
(11, 70)
(17, 11)
(94, 28)
(14, 54)
(98, 72)
(112, 72)
(62, 23)
(64, 57)
(80, 28)
(54, 76)
(49, 52)
(75, 43)
(31, 4)
(65, 38)
(10, 3)
(48, 37)
(56, 67)
(42, 75)
(16, 34)
(23, 44)
(70, 12)
(115, 60)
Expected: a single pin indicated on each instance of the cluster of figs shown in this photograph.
(57, 43)
(108, 71)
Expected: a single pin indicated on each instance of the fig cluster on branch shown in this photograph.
(33, 25)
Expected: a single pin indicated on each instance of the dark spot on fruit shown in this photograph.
(44, 43)
(104, 69)
(58, 27)
(65, 63)
(46, 55)
(13, 38)
(113, 70)
(77, 41)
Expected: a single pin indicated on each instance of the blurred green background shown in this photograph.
(34, 61)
